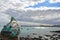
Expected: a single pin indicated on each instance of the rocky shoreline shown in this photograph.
(6, 38)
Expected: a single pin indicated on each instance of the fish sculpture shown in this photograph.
(12, 29)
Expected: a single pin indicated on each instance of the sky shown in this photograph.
(30, 11)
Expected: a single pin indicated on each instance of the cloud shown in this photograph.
(18, 7)
(35, 1)
(4, 18)
(36, 16)
(13, 4)
(54, 1)
(43, 8)
(28, 23)
(22, 4)
(46, 17)
(46, 5)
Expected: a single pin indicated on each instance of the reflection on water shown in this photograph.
(37, 30)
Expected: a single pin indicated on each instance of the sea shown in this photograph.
(36, 31)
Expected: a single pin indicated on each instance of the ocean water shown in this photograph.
(24, 31)
(37, 31)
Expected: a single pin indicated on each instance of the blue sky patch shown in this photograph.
(44, 4)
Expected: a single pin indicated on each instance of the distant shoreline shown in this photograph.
(40, 25)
